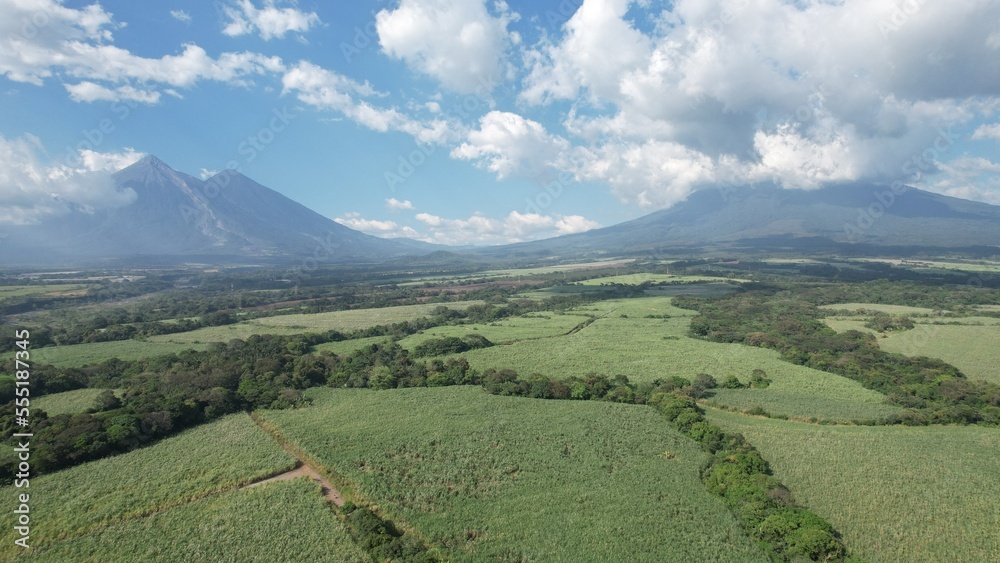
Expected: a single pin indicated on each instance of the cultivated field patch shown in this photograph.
(896, 493)
(483, 477)
(68, 402)
(354, 319)
(214, 457)
(78, 355)
(283, 521)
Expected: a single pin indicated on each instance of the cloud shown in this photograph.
(87, 91)
(802, 93)
(181, 16)
(990, 131)
(384, 229)
(478, 229)
(653, 174)
(205, 173)
(508, 145)
(393, 204)
(966, 177)
(330, 90)
(31, 191)
(93, 161)
(598, 48)
(270, 21)
(77, 47)
(457, 42)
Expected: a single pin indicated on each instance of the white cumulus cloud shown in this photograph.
(458, 42)
(32, 190)
(394, 204)
(989, 131)
(270, 20)
(384, 229)
(77, 47)
(508, 145)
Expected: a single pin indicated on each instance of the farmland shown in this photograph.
(896, 493)
(211, 458)
(243, 524)
(623, 341)
(76, 355)
(973, 349)
(52, 290)
(970, 343)
(880, 307)
(354, 319)
(478, 464)
(68, 402)
(345, 347)
(527, 327)
(485, 477)
(637, 279)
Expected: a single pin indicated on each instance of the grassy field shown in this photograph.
(896, 493)
(68, 402)
(282, 521)
(316, 322)
(624, 342)
(64, 289)
(347, 346)
(972, 344)
(973, 349)
(985, 266)
(890, 309)
(636, 279)
(77, 355)
(803, 405)
(527, 327)
(483, 477)
(210, 458)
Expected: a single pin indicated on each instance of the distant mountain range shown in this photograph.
(177, 217)
(843, 218)
(229, 218)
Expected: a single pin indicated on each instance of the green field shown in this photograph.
(890, 309)
(527, 327)
(985, 266)
(625, 342)
(973, 349)
(972, 344)
(85, 498)
(637, 279)
(77, 355)
(9, 291)
(803, 405)
(347, 346)
(68, 402)
(484, 478)
(281, 521)
(896, 493)
(316, 322)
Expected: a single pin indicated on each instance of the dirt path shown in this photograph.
(329, 492)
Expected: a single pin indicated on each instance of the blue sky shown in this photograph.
(483, 122)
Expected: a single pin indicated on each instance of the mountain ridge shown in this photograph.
(858, 215)
(228, 216)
